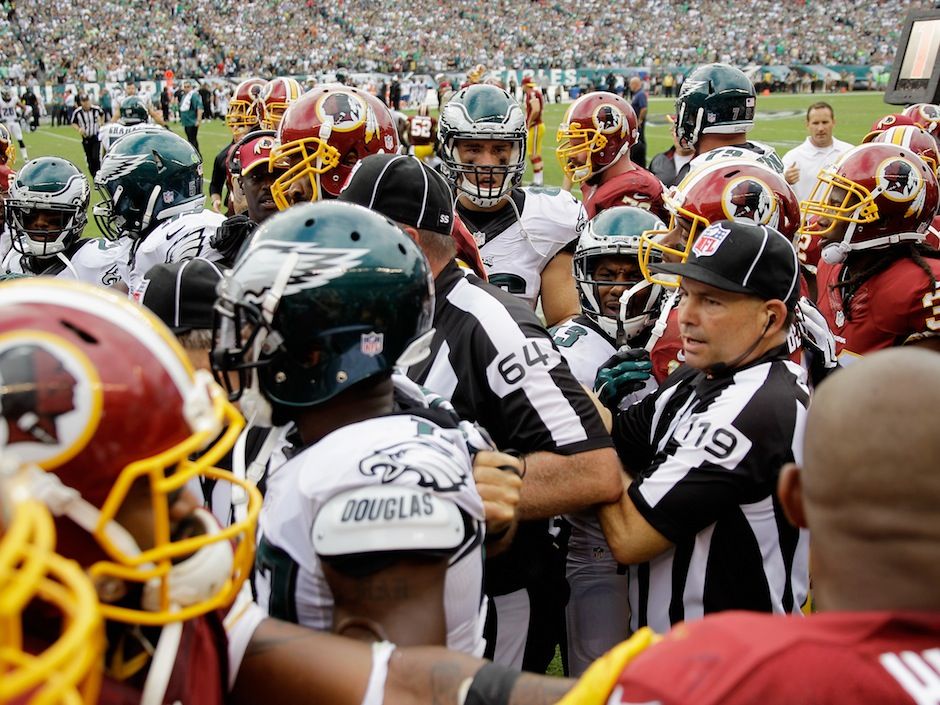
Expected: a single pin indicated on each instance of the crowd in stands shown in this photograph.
(139, 39)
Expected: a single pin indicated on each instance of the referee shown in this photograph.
(699, 525)
(87, 119)
(499, 367)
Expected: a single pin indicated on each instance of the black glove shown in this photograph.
(231, 235)
(624, 373)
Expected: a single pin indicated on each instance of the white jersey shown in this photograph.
(97, 261)
(515, 253)
(404, 451)
(183, 237)
(8, 111)
(113, 131)
(755, 151)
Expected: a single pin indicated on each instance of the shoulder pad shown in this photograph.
(382, 518)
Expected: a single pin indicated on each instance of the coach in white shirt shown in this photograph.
(803, 162)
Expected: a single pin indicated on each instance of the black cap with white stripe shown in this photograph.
(404, 189)
(182, 294)
(742, 257)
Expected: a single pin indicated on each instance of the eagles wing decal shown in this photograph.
(415, 461)
(315, 266)
(116, 166)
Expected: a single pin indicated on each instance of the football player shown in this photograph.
(73, 356)
(276, 98)
(243, 116)
(594, 141)
(877, 280)
(151, 187)
(252, 176)
(46, 212)
(324, 302)
(422, 136)
(10, 109)
(526, 236)
(322, 136)
(535, 124)
(715, 110)
(605, 266)
(133, 116)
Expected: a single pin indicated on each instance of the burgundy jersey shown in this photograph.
(637, 187)
(199, 675)
(891, 308)
(529, 95)
(741, 658)
(421, 130)
(6, 173)
(933, 233)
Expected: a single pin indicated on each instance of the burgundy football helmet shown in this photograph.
(323, 135)
(597, 130)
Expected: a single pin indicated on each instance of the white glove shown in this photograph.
(815, 332)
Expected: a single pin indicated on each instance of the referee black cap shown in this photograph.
(404, 189)
(182, 294)
(742, 257)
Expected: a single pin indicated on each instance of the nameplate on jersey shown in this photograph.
(383, 518)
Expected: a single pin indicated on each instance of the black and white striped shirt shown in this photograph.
(500, 368)
(707, 453)
(88, 121)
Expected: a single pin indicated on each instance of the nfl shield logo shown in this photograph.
(372, 343)
(710, 239)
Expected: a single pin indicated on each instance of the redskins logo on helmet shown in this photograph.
(608, 119)
(899, 180)
(749, 198)
(49, 399)
(346, 110)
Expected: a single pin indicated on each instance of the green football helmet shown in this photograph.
(483, 112)
(715, 98)
(46, 208)
(612, 235)
(323, 296)
(133, 111)
(145, 178)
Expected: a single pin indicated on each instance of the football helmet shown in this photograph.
(925, 115)
(77, 364)
(133, 111)
(616, 232)
(884, 192)
(7, 146)
(729, 189)
(322, 136)
(324, 295)
(276, 97)
(68, 670)
(482, 112)
(598, 129)
(245, 107)
(6, 93)
(145, 178)
(714, 98)
(883, 123)
(915, 138)
(476, 74)
(46, 208)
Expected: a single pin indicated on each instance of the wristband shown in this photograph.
(492, 685)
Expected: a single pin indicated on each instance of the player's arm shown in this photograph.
(630, 536)
(535, 111)
(289, 664)
(402, 603)
(559, 293)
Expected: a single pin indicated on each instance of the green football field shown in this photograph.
(780, 123)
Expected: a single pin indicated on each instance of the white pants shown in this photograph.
(15, 130)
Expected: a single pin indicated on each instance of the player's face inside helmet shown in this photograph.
(489, 159)
(45, 225)
(824, 221)
(256, 185)
(613, 275)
